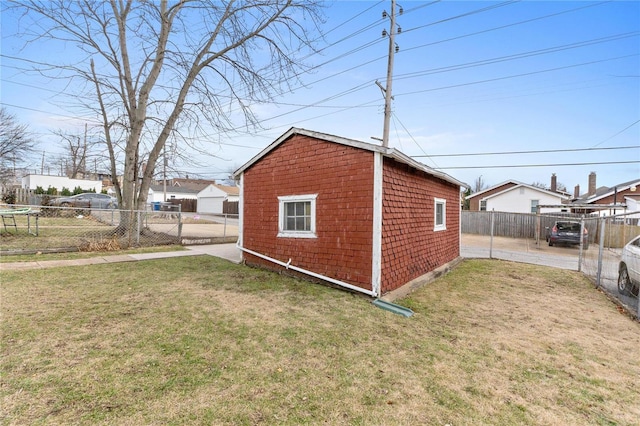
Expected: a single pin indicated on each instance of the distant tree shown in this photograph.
(154, 67)
(559, 186)
(77, 149)
(479, 184)
(466, 205)
(16, 144)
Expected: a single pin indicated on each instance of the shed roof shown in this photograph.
(387, 152)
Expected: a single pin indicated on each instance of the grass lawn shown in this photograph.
(198, 340)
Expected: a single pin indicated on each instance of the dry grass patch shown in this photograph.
(198, 340)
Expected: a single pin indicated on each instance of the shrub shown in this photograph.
(9, 197)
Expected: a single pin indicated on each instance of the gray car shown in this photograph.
(87, 200)
(568, 233)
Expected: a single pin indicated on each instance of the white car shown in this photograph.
(629, 269)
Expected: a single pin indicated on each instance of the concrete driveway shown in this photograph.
(518, 250)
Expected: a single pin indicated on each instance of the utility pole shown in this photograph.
(393, 48)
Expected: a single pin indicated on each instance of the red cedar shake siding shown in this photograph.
(410, 246)
(342, 177)
(474, 202)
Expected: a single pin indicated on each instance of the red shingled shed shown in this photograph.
(362, 216)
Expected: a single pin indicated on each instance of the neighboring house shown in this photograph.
(157, 194)
(212, 198)
(59, 182)
(607, 201)
(358, 215)
(517, 197)
(190, 183)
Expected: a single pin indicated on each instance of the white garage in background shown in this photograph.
(211, 199)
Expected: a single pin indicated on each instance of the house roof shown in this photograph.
(387, 152)
(516, 184)
(604, 192)
(229, 190)
(507, 182)
(173, 189)
(524, 185)
(198, 184)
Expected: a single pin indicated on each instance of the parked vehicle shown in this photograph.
(86, 200)
(629, 268)
(567, 232)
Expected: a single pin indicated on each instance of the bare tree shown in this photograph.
(539, 185)
(15, 144)
(156, 68)
(479, 184)
(77, 151)
(559, 186)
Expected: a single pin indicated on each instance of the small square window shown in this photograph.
(440, 211)
(483, 205)
(534, 206)
(297, 216)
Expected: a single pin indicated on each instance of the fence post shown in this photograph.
(493, 212)
(581, 247)
(600, 251)
(224, 232)
(139, 220)
(538, 226)
(179, 224)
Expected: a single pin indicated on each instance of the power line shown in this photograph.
(414, 141)
(518, 55)
(508, 166)
(526, 21)
(546, 151)
(489, 80)
(473, 12)
(621, 131)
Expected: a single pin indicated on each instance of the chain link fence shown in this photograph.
(27, 229)
(613, 265)
(31, 229)
(525, 238)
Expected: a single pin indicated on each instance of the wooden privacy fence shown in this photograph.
(186, 204)
(514, 225)
(230, 207)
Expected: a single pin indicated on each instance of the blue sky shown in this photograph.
(469, 78)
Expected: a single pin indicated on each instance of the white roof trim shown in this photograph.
(387, 152)
(511, 188)
(494, 187)
(611, 192)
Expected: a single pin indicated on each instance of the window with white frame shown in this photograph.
(534, 206)
(483, 205)
(297, 216)
(440, 209)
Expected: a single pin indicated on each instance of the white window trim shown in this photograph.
(443, 226)
(534, 210)
(282, 233)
